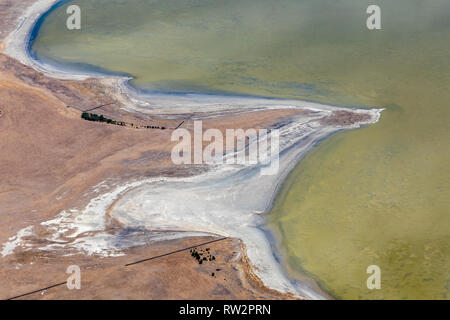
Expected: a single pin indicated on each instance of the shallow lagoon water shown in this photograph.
(373, 196)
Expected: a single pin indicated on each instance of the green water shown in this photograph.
(379, 195)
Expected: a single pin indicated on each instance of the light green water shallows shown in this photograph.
(378, 195)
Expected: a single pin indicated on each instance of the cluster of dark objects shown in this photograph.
(202, 255)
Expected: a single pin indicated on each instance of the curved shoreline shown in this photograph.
(159, 104)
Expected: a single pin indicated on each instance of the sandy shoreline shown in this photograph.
(300, 134)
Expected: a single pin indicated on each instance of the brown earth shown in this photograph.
(344, 118)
